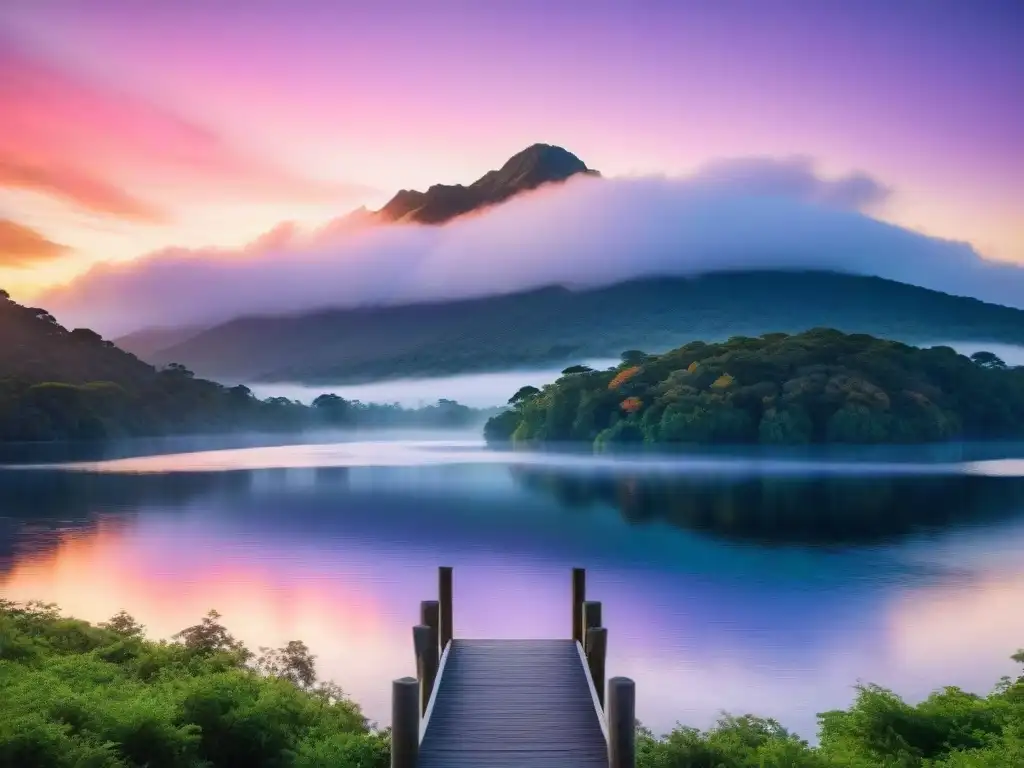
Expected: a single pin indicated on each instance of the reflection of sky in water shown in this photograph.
(341, 558)
(419, 454)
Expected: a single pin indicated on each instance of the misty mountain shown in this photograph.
(536, 165)
(58, 384)
(731, 215)
(557, 325)
(146, 342)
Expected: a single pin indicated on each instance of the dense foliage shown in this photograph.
(77, 696)
(554, 326)
(57, 384)
(82, 696)
(821, 386)
(949, 729)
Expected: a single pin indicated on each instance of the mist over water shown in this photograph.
(485, 390)
(477, 390)
(1011, 354)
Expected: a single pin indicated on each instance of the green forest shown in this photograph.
(821, 386)
(77, 695)
(57, 384)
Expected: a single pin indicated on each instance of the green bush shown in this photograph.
(80, 696)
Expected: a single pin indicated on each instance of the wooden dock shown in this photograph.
(512, 703)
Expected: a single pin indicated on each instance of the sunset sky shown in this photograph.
(128, 127)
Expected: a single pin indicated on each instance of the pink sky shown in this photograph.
(131, 127)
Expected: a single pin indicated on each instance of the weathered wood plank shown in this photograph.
(523, 703)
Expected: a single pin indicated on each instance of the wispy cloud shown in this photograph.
(88, 142)
(21, 246)
(762, 214)
(78, 187)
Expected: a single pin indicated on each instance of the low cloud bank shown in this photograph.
(477, 390)
(736, 214)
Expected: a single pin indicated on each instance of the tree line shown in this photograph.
(175, 402)
(60, 384)
(821, 386)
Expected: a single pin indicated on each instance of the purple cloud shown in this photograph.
(792, 177)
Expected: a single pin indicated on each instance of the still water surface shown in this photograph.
(741, 583)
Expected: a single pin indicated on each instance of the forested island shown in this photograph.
(821, 386)
(57, 384)
(76, 694)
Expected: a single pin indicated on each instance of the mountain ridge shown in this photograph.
(533, 167)
(555, 324)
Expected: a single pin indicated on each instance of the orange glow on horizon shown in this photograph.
(94, 575)
(957, 628)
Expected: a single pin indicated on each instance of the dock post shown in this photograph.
(597, 653)
(430, 616)
(579, 594)
(425, 642)
(405, 722)
(591, 618)
(444, 597)
(621, 723)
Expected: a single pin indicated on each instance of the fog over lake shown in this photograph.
(483, 390)
(477, 390)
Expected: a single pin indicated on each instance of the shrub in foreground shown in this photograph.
(74, 695)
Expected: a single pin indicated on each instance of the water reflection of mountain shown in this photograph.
(819, 510)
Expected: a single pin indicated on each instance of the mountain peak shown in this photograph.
(537, 164)
(554, 163)
(534, 166)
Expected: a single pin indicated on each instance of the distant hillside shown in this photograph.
(556, 325)
(149, 341)
(34, 347)
(57, 384)
(536, 165)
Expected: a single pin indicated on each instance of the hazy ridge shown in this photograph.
(548, 327)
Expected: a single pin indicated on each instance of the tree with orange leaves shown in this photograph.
(623, 376)
(631, 404)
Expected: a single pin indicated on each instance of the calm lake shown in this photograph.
(756, 583)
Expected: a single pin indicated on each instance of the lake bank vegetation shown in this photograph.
(818, 387)
(57, 384)
(103, 696)
(77, 695)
